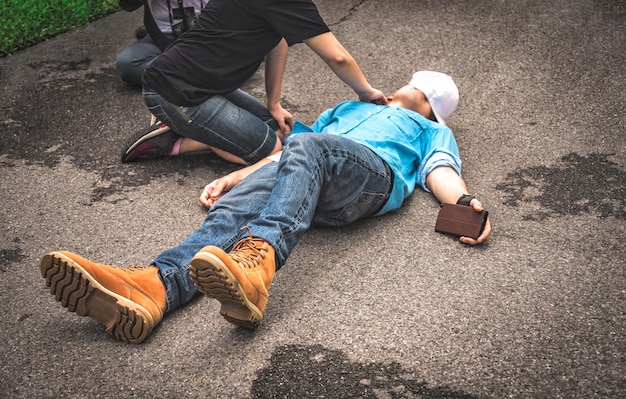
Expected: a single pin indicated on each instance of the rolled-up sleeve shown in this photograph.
(438, 157)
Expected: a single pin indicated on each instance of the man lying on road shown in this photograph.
(357, 160)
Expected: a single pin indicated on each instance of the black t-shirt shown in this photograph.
(226, 46)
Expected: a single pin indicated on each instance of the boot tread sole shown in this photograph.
(81, 293)
(213, 278)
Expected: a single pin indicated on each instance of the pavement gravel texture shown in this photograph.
(385, 308)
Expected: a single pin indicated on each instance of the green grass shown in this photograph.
(26, 22)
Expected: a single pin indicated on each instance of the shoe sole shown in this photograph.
(211, 276)
(80, 292)
(141, 136)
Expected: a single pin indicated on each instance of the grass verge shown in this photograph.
(26, 22)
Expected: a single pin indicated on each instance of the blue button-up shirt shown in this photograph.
(411, 144)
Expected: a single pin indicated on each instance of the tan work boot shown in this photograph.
(129, 302)
(239, 280)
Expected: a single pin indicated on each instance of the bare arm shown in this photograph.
(275, 62)
(344, 66)
(448, 186)
(219, 187)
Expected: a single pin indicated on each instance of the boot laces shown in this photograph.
(248, 251)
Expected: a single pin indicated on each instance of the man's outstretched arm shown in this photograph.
(448, 187)
(219, 187)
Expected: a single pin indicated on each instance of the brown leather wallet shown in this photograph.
(461, 220)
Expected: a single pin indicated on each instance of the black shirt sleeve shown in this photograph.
(295, 20)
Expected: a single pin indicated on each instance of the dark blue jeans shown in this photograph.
(236, 122)
(136, 58)
(320, 180)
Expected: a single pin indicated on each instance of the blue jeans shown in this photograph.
(320, 180)
(236, 122)
(134, 59)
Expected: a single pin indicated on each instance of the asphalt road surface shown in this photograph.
(386, 308)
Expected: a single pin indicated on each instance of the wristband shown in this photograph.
(465, 199)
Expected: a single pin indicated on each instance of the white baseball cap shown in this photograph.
(440, 91)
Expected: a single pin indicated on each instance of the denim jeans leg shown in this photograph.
(244, 100)
(219, 123)
(322, 179)
(221, 228)
(135, 58)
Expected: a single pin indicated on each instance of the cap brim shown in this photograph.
(439, 118)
